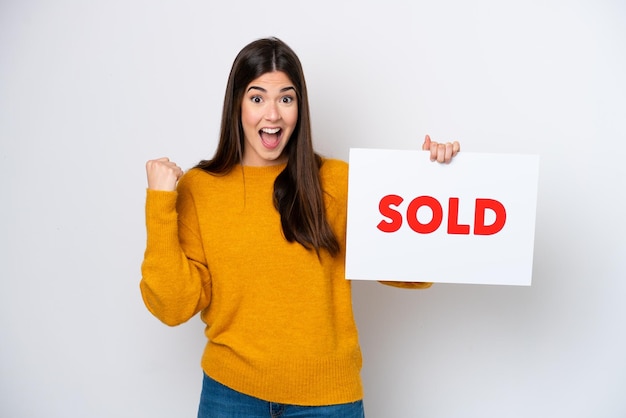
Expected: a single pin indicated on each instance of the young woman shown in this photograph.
(254, 239)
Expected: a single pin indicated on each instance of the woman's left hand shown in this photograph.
(440, 152)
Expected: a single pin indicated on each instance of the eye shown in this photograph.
(256, 99)
(287, 99)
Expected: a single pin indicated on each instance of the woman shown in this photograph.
(254, 239)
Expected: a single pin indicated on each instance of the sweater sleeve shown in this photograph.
(408, 285)
(175, 282)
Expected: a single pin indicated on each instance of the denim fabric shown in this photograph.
(219, 401)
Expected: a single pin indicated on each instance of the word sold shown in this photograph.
(389, 203)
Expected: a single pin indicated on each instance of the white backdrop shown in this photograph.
(90, 90)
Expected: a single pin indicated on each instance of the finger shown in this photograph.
(441, 152)
(152, 163)
(433, 150)
(448, 153)
(179, 172)
(456, 147)
(426, 144)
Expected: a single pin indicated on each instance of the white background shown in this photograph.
(89, 90)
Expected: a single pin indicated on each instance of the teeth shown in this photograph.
(270, 130)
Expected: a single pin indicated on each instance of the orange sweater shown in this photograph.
(279, 320)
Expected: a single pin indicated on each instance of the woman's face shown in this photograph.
(269, 114)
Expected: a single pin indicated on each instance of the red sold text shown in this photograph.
(388, 207)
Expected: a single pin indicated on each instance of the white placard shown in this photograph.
(426, 228)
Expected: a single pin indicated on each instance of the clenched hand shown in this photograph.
(441, 152)
(163, 174)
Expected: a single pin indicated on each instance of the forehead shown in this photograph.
(272, 80)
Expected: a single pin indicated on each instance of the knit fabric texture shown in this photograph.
(279, 319)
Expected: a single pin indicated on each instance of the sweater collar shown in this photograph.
(270, 170)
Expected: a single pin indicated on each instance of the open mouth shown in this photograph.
(270, 137)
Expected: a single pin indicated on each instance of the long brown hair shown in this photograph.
(298, 195)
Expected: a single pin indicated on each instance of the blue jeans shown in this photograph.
(219, 401)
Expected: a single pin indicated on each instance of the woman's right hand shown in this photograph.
(163, 174)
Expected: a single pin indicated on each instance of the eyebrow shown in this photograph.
(284, 89)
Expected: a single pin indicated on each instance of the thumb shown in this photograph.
(426, 144)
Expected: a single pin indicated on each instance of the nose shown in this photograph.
(272, 113)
